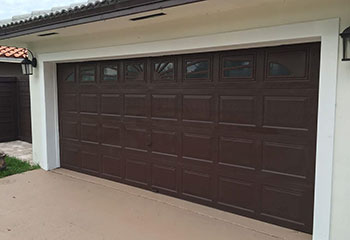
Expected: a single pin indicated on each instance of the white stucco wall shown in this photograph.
(340, 227)
(164, 36)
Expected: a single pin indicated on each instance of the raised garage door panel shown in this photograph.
(235, 130)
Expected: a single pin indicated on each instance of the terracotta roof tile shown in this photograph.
(13, 52)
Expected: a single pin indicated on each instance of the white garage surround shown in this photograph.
(45, 103)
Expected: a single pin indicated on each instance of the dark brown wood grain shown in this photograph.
(234, 130)
(23, 109)
(8, 109)
(15, 118)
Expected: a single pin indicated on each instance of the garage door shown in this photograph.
(8, 109)
(23, 109)
(235, 130)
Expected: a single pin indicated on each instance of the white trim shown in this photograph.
(11, 60)
(325, 31)
(56, 117)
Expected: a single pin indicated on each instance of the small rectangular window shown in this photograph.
(197, 69)
(134, 72)
(110, 73)
(287, 64)
(70, 78)
(87, 74)
(164, 71)
(234, 68)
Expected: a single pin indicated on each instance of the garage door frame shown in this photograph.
(44, 90)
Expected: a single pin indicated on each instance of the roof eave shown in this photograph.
(10, 60)
(89, 16)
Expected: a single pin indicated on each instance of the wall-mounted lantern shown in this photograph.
(27, 64)
(346, 44)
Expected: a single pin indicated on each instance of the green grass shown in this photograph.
(15, 166)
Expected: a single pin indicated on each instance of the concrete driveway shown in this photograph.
(66, 205)
(18, 149)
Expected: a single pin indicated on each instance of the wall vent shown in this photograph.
(47, 34)
(147, 16)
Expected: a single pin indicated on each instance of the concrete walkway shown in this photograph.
(63, 205)
(18, 149)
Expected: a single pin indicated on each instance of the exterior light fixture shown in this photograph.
(346, 44)
(27, 64)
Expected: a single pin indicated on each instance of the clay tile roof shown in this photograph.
(13, 52)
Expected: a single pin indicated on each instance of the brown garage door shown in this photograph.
(235, 130)
(8, 109)
(23, 109)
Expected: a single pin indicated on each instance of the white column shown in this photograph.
(43, 92)
(325, 132)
